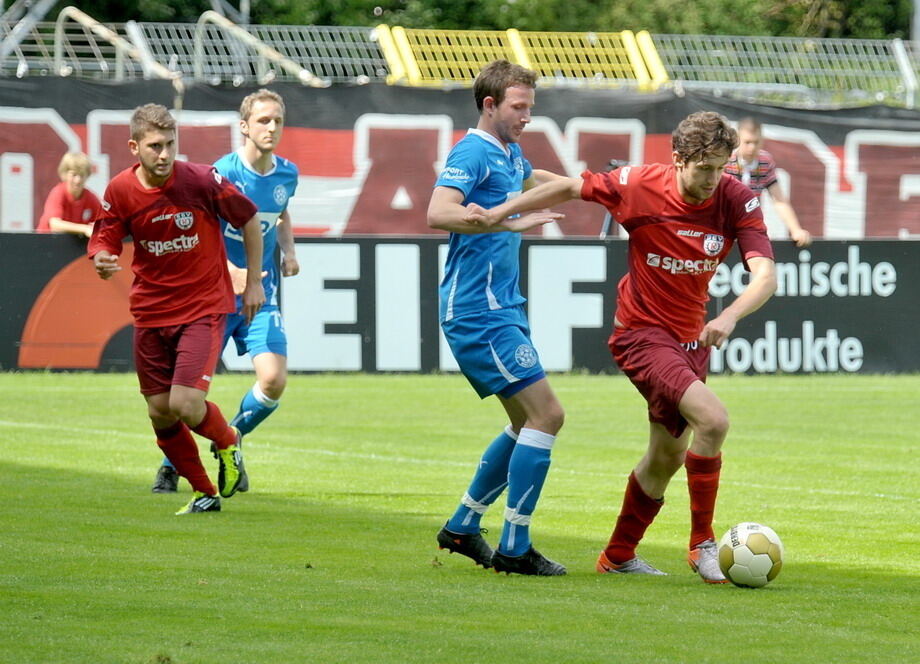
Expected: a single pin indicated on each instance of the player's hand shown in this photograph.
(801, 237)
(479, 216)
(88, 231)
(532, 220)
(717, 331)
(289, 265)
(253, 299)
(238, 277)
(106, 264)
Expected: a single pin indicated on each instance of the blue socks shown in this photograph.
(254, 408)
(490, 480)
(526, 474)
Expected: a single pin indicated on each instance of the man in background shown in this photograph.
(756, 168)
(269, 181)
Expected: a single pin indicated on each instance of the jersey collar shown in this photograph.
(486, 136)
(249, 167)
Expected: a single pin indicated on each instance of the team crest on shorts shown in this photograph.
(280, 194)
(525, 356)
(713, 244)
(184, 220)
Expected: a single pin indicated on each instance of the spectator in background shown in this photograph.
(70, 206)
(755, 167)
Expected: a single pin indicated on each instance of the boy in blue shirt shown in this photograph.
(483, 319)
(269, 181)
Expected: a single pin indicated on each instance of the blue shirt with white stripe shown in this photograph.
(482, 270)
(270, 192)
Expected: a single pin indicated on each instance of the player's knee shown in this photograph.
(552, 418)
(713, 427)
(273, 386)
(189, 411)
(665, 462)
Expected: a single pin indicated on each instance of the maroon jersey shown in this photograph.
(758, 175)
(180, 265)
(674, 247)
(61, 204)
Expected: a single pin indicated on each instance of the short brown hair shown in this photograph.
(751, 124)
(150, 117)
(498, 76)
(76, 162)
(263, 94)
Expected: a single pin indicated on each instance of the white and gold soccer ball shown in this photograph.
(750, 555)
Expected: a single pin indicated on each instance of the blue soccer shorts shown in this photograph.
(494, 351)
(264, 335)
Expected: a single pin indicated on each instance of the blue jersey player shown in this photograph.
(483, 319)
(269, 181)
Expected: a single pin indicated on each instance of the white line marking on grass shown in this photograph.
(386, 458)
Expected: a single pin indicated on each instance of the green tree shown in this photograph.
(865, 19)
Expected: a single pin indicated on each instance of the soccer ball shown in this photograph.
(750, 555)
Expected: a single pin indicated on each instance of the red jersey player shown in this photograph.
(682, 220)
(181, 293)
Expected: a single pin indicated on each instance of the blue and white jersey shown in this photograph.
(270, 192)
(482, 270)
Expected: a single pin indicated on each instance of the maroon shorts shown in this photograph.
(661, 368)
(184, 354)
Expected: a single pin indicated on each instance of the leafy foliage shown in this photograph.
(865, 19)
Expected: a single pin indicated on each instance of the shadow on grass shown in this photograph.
(97, 565)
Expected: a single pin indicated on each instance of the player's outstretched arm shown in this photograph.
(760, 288)
(253, 293)
(548, 194)
(446, 212)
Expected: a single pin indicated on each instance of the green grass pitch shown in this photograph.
(331, 556)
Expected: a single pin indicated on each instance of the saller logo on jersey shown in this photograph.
(752, 204)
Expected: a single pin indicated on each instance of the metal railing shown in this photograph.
(447, 58)
(783, 70)
(793, 71)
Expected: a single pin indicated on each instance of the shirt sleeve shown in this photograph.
(230, 204)
(462, 171)
(110, 229)
(750, 230)
(604, 188)
(528, 169)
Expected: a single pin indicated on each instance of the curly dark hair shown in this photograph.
(702, 134)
